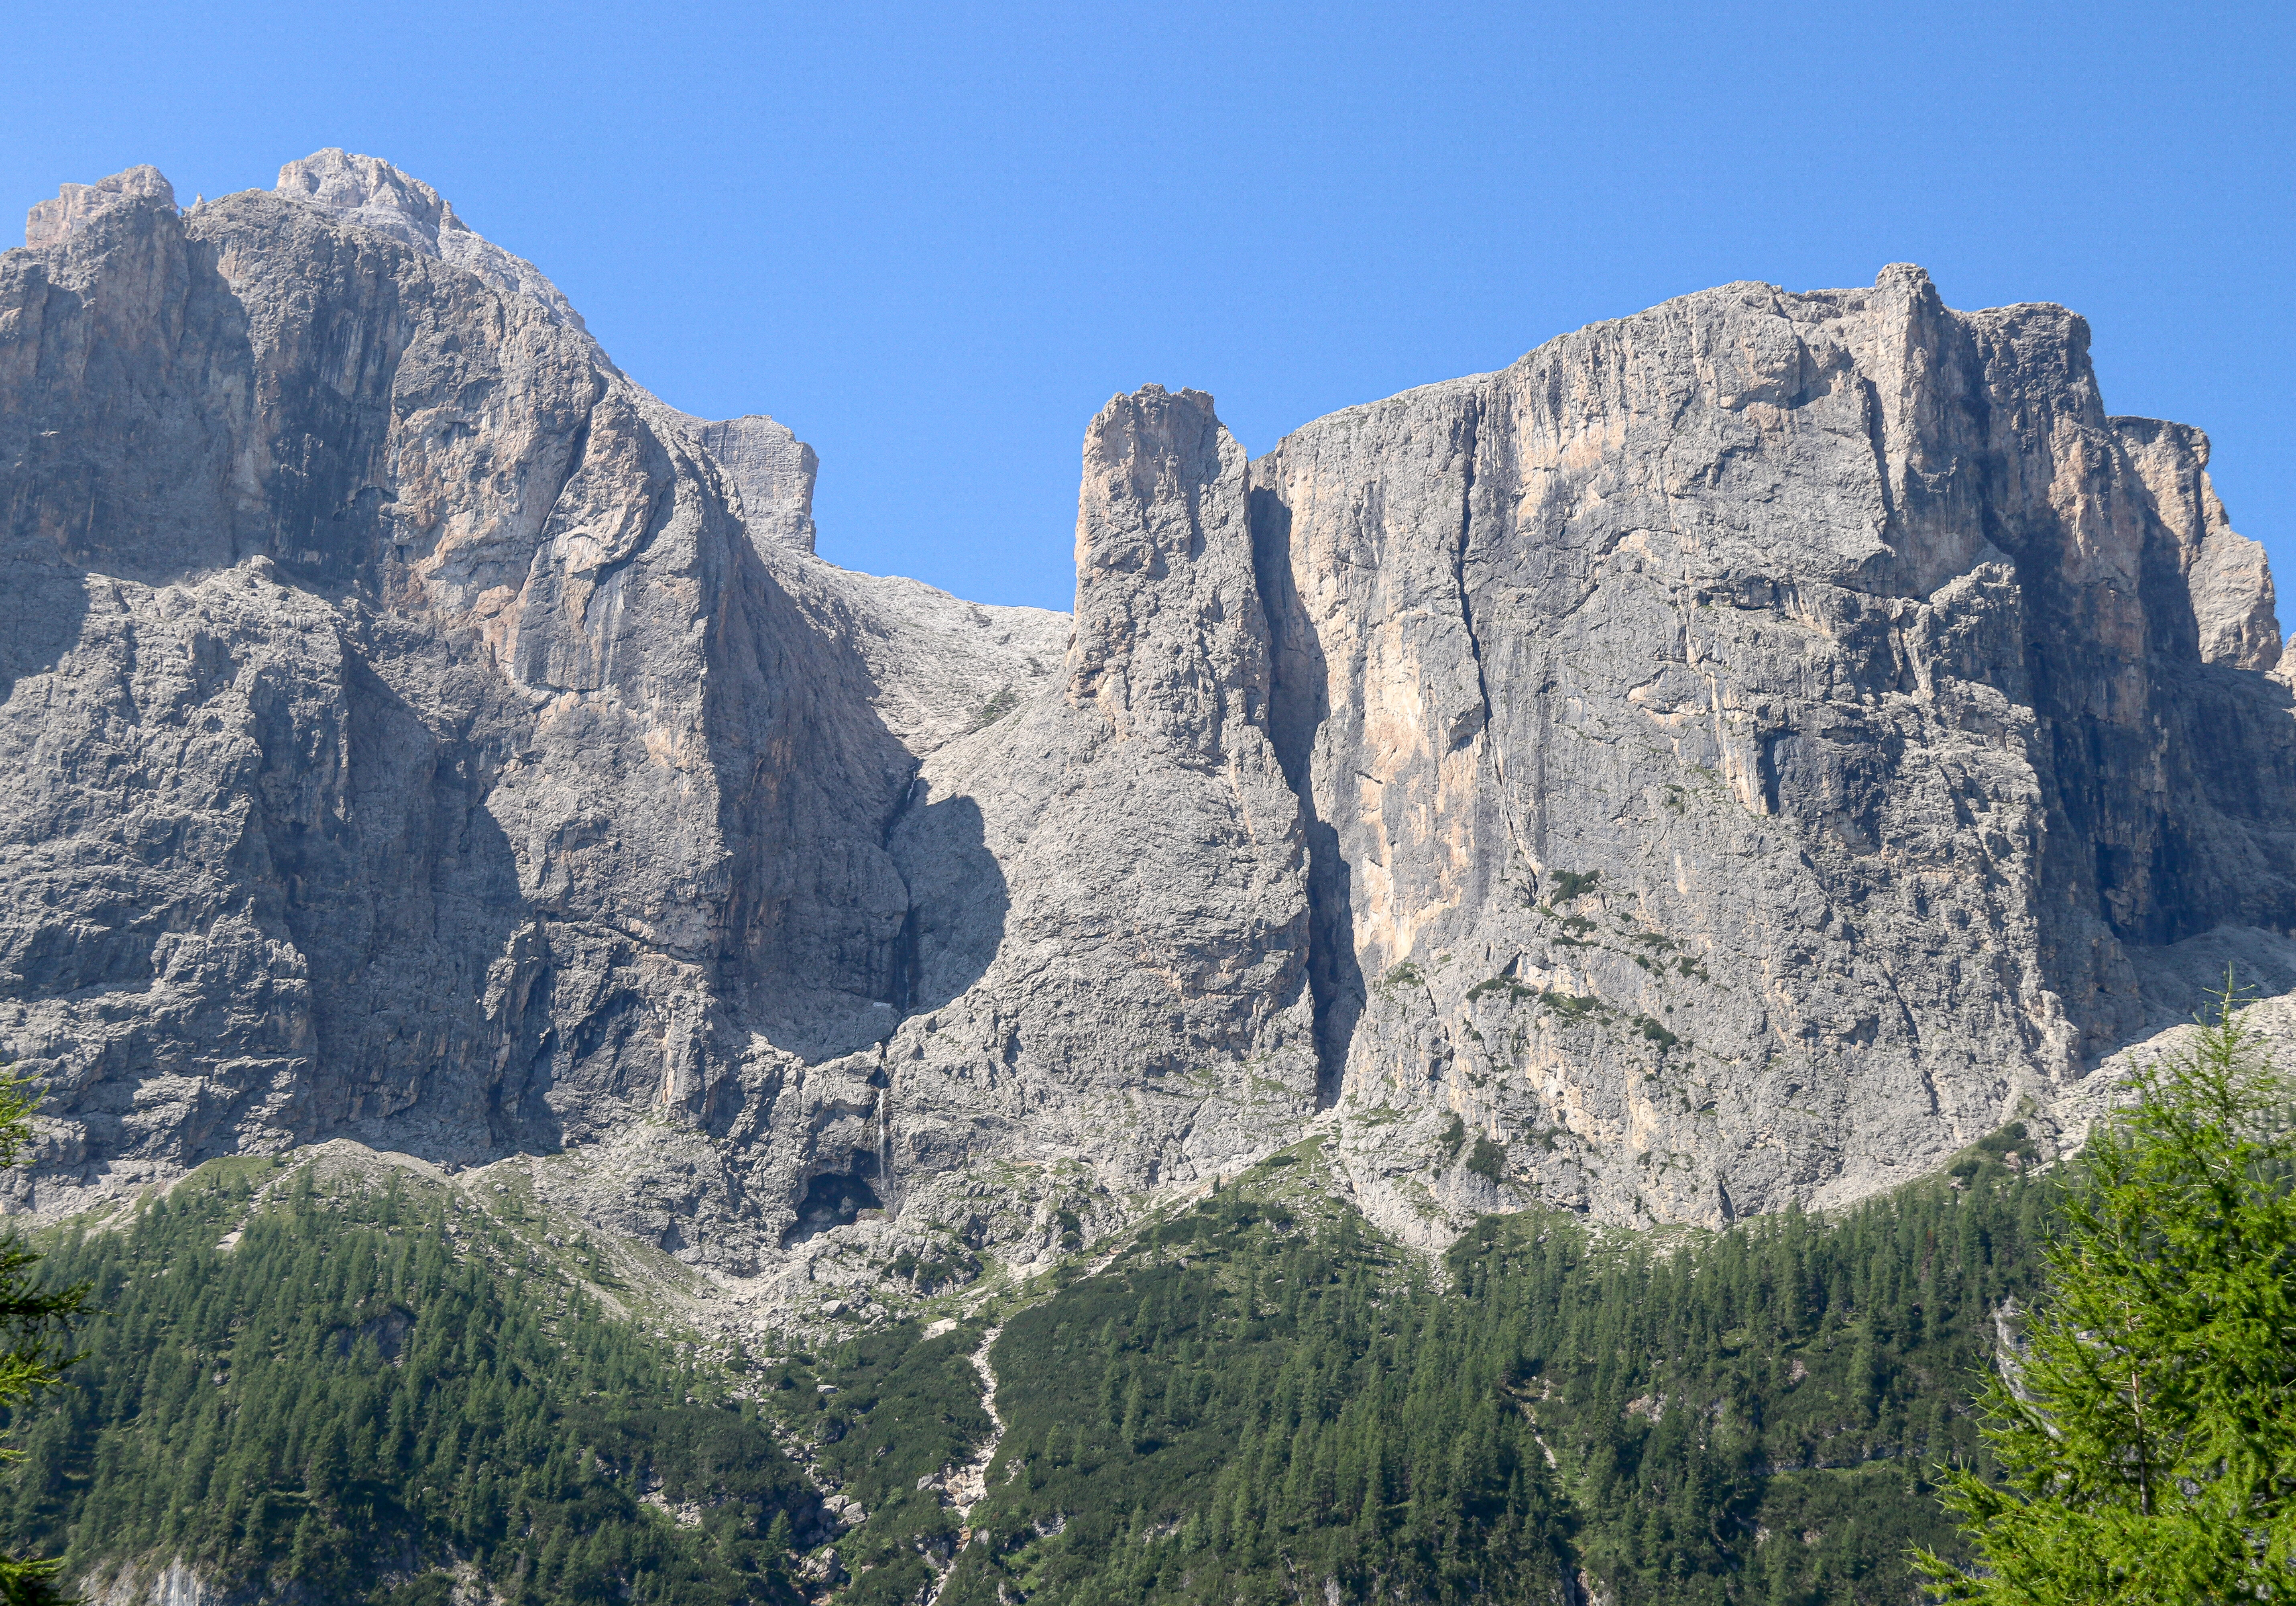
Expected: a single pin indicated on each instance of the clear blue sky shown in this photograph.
(934, 240)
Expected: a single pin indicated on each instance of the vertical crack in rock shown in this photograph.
(903, 982)
(1297, 702)
(1875, 426)
(1480, 722)
(1465, 730)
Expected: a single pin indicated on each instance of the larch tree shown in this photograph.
(2147, 1432)
(35, 1329)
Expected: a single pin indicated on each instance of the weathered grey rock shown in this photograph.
(930, 666)
(772, 470)
(174, 1583)
(53, 222)
(409, 739)
(374, 195)
(2235, 610)
(1120, 859)
(1737, 754)
(1103, 988)
(1744, 742)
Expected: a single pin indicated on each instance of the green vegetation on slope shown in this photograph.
(1754, 1415)
(2149, 1445)
(376, 1381)
(1251, 1402)
(371, 1384)
(35, 1317)
(901, 1409)
(1248, 1397)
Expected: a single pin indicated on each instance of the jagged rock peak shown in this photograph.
(371, 193)
(1908, 278)
(772, 470)
(2234, 605)
(53, 222)
(1737, 754)
(1170, 640)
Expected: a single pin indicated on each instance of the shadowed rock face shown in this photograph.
(53, 222)
(1738, 754)
(409, 741)
(773, 471)
(1145, 1008)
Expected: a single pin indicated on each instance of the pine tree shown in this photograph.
(2150, 1440)
(34, 1318)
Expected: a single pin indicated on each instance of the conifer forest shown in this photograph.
(372, 1389)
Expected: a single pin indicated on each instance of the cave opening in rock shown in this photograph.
(835, 1198)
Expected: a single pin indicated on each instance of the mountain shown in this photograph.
(1735, 757)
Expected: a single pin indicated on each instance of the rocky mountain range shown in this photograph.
(1737, 754)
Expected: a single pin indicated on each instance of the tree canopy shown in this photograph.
(34, 1339)
(2147, 1432)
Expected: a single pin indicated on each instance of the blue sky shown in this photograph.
(935, 240)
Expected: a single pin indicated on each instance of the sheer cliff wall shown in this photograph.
(1750, 746)
(1739, 753)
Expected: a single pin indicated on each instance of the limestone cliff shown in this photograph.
(409, 742)
(1753, 745)
(1736, 754)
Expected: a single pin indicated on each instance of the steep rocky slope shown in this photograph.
(1740, 752)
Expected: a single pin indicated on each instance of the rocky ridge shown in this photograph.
(1739, 753)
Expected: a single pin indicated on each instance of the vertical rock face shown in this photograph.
(1736, 754)
(410, 741)
(2235, 617)
(53, 222)
(773, 470)
(372, 195)
(1120, 860)
(1748, 739)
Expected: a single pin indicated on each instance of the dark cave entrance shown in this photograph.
(835, 1198)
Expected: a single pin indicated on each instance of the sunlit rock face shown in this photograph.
(1737, 754)
(1752, 748)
